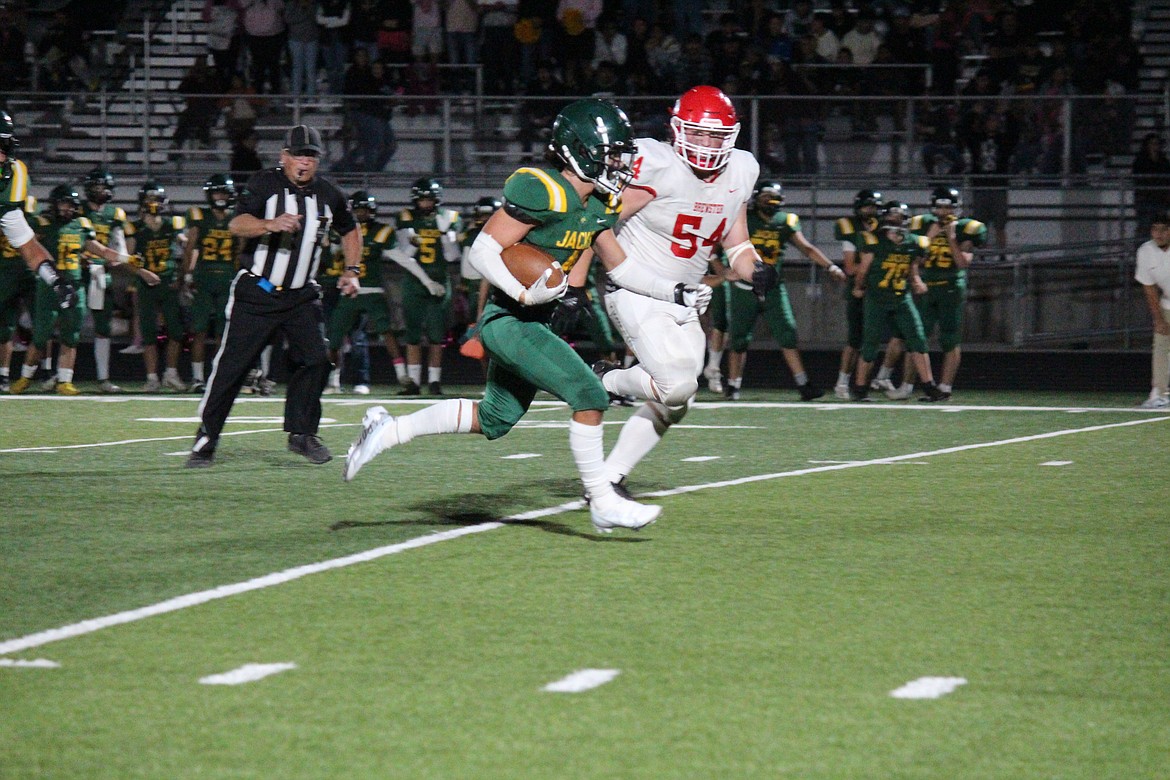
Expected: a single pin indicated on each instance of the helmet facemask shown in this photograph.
(693, 142)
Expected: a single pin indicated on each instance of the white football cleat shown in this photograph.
(151, 386)
(714, 379)
(361, 389)
(900, 393)
(622, 513)
(370, 443)
(841, 391)
(331, 390)
(174, 383)
(1155, 402)
(882, 384)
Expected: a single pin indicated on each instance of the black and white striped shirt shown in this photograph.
(289, 260)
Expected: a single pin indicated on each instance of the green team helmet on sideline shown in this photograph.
(425, 188)
(768, 196)
(8, 139)
(98, 185)
(220, 191)
(64, 195)
(867, 199)
(361, 199)
(594, 138)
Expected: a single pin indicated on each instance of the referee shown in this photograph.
(283, 221)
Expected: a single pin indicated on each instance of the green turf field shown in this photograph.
(810, 560)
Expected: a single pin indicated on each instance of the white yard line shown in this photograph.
(246, 674)
(928, 687)
(584, 680)
(288, 575)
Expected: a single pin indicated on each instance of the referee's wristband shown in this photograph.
(357, 269)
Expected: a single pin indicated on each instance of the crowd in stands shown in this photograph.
(985, 49)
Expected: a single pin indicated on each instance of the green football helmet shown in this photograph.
(894, 215)
(8, 139)
(593, 137)
(220, 191)
(866, 203)
(99, 186)
(483, 209)
(768, 197)
(363, 200)
(425, 188)
(152, 198)
(64, 195)
(945, 198)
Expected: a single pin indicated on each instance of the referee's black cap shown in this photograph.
(303, 140)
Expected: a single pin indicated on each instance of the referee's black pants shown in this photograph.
(253, 317)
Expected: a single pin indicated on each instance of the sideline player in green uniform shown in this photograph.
(109, 224)
(428, 241)
(889, 259)
(850, 232)
(209, 265)
(70, 235)
(347, 311)
(14, 225)
(563, 208)
(152, 237)
(17, 288)
(952, 242)
(771, 230)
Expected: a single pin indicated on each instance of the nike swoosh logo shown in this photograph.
(733, 191)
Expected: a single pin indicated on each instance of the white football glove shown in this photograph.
(696, 296)
(436, 289)
(539, 292)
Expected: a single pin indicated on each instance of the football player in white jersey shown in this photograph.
(687, 197)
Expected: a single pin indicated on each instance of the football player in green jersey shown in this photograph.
(953, 239)
(209, 265)
(15, 226)
(17, 285)
(563, 208)
(71, 236)
(370, 303)
(152, 237)
(850, 231)
(771, 230)
(886, 271)
(428, 245)
(109, 223)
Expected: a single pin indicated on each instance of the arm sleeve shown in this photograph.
(485, 258)
(410, 264)
(16, 228)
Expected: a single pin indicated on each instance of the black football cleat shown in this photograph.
(200, 460)
(310, 446)
(410, 388)
(809, 392)
(859, 394)
(933, 394)
(434, 388)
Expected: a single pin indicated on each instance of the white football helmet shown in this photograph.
(707, 111)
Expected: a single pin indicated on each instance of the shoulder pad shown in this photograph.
(43, 221)
(19, 182)
(30, 205)
(976, 231)
(869, 238)
(792, 221)
(85, 223)
(178, 223)
(844, 227)
(383, 235)
(917, 222)
(405, 216)
(194, 214)
(533, 189)
(922, 241)
(119, 213)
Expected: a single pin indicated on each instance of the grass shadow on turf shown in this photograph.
(449, 511)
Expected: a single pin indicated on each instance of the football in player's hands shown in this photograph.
(527, 263)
